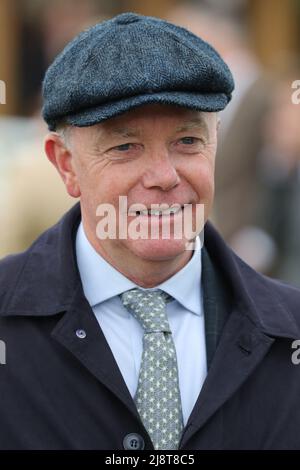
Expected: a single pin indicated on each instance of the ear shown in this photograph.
(61, 157)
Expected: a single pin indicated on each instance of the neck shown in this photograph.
(147, 273)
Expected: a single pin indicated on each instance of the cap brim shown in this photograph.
(210, 102)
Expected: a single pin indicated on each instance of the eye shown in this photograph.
(189, 140)
(190, 144)
(123, 147)
(125, 152)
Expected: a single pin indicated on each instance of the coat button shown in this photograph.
(133, 441)
(80, 334)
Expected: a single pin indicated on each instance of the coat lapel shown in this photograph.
(243, 318)
(93, 351)
(241, 348)
(216, 305)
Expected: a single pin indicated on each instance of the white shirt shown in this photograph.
(102, 284)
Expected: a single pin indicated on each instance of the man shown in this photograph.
(133, 341)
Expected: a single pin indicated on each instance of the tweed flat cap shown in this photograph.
(128, 61)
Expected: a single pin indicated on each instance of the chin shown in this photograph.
(157, 250)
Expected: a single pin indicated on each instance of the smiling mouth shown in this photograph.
(158, 212)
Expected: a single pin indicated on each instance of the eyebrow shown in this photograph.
(125, 131)
(193, 124)
(187, 125)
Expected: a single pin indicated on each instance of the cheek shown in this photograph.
(106, 187)
(202, 180)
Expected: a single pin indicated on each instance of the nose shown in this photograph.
(161, 173)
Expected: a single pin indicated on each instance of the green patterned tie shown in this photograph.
(157, 397)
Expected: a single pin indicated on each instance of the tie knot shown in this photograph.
(149, 308)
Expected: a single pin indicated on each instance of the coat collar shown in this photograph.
(47, 279)
(254, 294)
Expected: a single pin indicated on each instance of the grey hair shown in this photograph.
(64, 131)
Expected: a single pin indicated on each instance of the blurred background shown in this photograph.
(258, 163)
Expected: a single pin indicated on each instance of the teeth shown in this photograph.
(157, 211)
(171, 210)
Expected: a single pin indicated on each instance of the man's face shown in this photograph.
(154, 154)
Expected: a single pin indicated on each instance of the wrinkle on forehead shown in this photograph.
(129, 124)
(186, 125)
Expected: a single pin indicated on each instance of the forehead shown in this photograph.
(170, 116)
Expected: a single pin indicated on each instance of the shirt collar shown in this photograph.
(185, 285)
(96, 272)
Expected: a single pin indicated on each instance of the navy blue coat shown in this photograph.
(60, 391)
